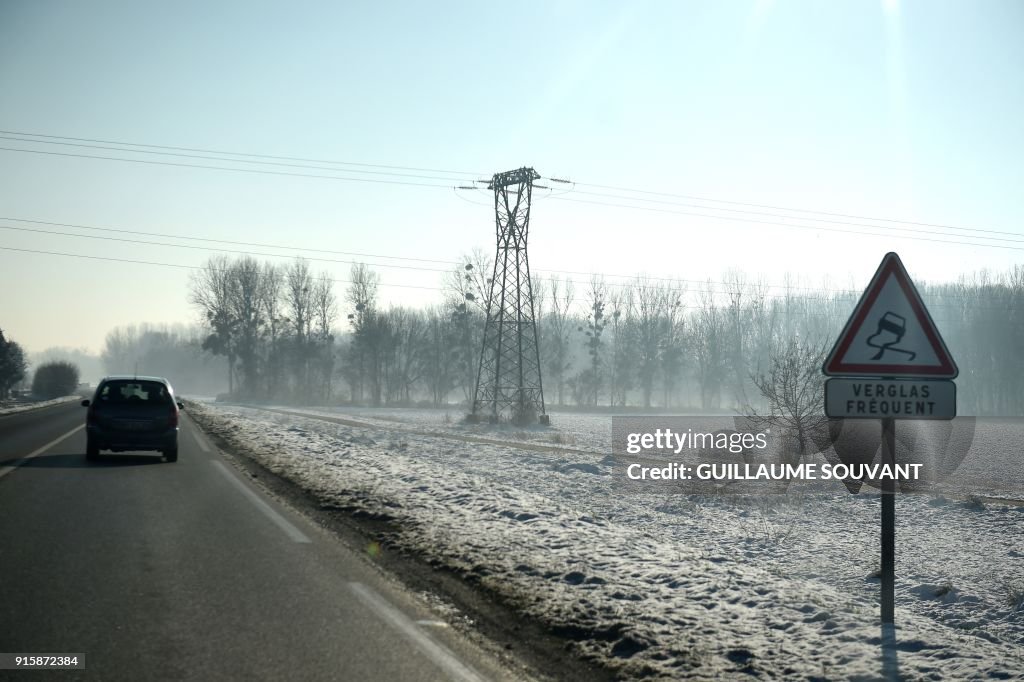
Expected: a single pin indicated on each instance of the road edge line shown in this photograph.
(284, 524)
(199, 437)
(441, 655)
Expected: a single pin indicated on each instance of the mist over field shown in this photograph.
(288, 334)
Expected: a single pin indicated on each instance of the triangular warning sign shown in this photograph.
(890, 333)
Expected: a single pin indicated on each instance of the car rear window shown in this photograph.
(128, 392)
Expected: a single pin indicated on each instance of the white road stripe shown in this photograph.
(282, 523)
(8, 468)
(198, 436)
(438, 653)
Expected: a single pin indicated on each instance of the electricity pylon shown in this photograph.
(508, 385)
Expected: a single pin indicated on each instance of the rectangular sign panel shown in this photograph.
(890, 398)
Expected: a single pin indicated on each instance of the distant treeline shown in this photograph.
(646, 342)
(172, 351)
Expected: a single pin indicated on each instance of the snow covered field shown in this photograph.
(668, 585)
(13, 407)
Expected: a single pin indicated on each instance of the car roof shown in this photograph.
(132, 377)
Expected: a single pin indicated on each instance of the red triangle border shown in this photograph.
(891, 266)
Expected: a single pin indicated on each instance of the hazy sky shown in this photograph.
(906, 110)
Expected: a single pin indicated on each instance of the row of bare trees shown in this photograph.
(273, 324)
(654, 343)
(648, 342)
(172, 351)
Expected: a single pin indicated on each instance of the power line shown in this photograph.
(615, 285)
(469, 201)
(223, 168)
(208, 249)
(793, 210)
(184, 267)
(221, 158)
(382, 256)
(637, 280)
(198, 267)
(816, 292)
(819, 220)
(413, 286)
(226, 153)
(50, 139)
(555, 197)
(792, 226)
(225, 241)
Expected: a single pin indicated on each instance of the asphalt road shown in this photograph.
(156, 570)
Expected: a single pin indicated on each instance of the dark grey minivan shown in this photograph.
(132, 413)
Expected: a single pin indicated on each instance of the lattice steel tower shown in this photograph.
(508, 385)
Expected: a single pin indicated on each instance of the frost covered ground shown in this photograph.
(11, 407)
(669, 585)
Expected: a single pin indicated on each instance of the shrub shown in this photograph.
(54, 379)
(1015, 594)
(975, 502)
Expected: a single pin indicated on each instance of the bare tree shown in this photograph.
(622, 357)
(467, 290)
(365, 351)
(325, 313)
(708, 352)
(245, 287)
(651, 312)
(298, 292)
(210, 290)
(592, 378)
(794, 391)
(672, 342)
(558, 333)
(271, 291)
(440, 356)
(406, 329)
(471, 281)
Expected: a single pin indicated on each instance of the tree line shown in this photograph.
(13, 365)
(52, 379)
(174, 351)
(648, 342)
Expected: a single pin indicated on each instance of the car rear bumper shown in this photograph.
(107, 439)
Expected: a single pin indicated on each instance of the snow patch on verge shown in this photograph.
(669, 586)
(14, 408)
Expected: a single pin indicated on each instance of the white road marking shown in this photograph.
(8, 468)
(282, 523)
(198, 436)
(438, 653)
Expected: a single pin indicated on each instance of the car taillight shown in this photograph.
(174, 416)
(90, 416)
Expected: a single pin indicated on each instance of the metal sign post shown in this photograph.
(892, 364)
(888, 596)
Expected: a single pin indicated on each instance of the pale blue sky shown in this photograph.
(907, 110)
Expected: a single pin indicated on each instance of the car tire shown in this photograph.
(92, 451)
(171, 455)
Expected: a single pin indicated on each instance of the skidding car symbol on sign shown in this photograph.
(890, 333)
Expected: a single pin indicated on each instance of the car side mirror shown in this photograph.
(181, 405)
(85, 403)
